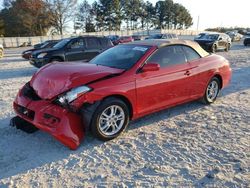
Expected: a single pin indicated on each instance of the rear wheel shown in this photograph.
(214, 48)
(212, 91)
(110, 119)
(1, 53)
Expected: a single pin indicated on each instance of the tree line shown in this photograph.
(38, 17)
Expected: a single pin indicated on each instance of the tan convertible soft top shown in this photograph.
(167, 42)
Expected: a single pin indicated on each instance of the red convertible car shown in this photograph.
(121, 84)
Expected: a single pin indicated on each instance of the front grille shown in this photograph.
(25, 111)
(30, 93)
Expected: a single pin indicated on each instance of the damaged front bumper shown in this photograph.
(62, 124)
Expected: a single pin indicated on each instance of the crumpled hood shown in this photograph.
(56, 78)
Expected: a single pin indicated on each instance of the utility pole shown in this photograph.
(198, 22)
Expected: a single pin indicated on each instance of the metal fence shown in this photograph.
(19, 41)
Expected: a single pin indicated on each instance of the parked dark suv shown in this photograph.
(214, 42)
(71, 49)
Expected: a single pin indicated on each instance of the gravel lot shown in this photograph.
(191, 145)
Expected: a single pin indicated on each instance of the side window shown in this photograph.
(104, 42)
(167, 56)
(78, 43)
(190, 53)
(92, 43)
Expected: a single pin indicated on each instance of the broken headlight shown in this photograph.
(73, 94)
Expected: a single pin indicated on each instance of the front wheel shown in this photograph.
(1, 53)
(55, 60)
(212, 91)
(227, 47)
(110, 119)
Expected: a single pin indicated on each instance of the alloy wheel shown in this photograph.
(111, 120)
(212, 90)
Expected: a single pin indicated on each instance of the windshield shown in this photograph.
(44, 45)
(120, 57)
(112, 37)
(156, 36)
(210, 37)
(62, 43)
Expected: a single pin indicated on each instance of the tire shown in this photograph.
(212, 91)
(104, 125)
(227, 47)
(1, 53)
(214, 48)
(56, 59)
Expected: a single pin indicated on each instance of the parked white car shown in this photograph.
(1, 50)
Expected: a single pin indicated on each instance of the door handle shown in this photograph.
(187, 73)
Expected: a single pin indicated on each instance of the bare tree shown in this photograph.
(63, 12)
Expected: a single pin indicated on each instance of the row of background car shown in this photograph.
(124, 39)
(220, 41)
(79, 48)
(87, 47)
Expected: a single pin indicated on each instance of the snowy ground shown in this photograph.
(191, 145)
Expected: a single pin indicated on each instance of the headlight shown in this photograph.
(73, 94)
(27, 52)
(41, 55)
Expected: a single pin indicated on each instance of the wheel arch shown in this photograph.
(217, 75)
(220, 79)
(56, 57)
(125, 100)
(88, 109)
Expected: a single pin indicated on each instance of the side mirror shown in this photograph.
(150, 67)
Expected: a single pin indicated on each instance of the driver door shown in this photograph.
(168, 86)
(75, 50)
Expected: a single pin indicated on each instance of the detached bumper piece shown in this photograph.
(63, 125)
(23, 125)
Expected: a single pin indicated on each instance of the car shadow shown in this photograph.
(165, 114)
(16, 73)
